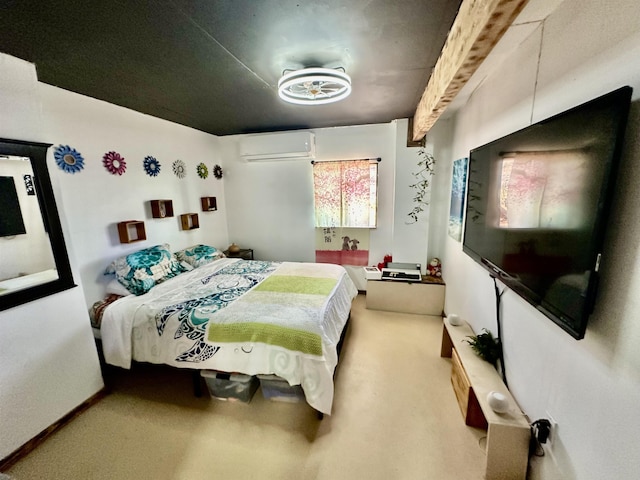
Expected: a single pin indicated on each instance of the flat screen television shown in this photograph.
(11, 222)
(537, 206)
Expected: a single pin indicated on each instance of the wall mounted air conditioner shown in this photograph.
(278, 146)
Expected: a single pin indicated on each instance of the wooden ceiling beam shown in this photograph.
(475, 31)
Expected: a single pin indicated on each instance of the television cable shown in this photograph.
(499, 324)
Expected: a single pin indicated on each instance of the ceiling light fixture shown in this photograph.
(314, 86)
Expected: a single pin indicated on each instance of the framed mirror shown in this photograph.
(33, 255)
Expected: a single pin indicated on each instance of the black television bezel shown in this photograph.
(621, 98)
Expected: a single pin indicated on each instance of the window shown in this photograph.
(346, 193)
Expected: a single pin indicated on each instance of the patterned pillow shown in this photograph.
(141, 270)
(199, 255)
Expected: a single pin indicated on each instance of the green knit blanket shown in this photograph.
(284, 310)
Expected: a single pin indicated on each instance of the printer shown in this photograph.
(401, 272)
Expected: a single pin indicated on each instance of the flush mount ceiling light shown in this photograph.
(314, 86)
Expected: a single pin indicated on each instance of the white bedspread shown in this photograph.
(169, 325)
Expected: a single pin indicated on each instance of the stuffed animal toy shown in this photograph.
(434, 268)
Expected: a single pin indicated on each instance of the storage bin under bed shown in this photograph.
(230, 386)
(279, 390)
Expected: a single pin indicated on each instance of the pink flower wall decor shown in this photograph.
(114, 163)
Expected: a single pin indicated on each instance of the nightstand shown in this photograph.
(244, 253)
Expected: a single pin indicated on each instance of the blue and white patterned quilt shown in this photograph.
(168, 325)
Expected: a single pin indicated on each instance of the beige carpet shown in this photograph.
(394, 417)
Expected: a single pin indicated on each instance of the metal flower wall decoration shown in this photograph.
(68, 159)
(114, 163)
(217, 171)
(203, 171)
(179, 169)
(151, 166)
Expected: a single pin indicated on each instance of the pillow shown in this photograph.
(142, 270)
(199, 255)
(114, 287)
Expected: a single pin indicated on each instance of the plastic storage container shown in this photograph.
(230, 386)
(279, 390)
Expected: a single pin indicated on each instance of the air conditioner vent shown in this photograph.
(278, 146)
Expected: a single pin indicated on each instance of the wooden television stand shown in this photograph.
(508, 434)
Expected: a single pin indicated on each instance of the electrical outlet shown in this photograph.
(553, 431)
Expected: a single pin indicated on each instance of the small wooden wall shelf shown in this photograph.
(189, 221)
(161, 208)
(131, 231)
(209, 204)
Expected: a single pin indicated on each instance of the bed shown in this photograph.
(230, 315)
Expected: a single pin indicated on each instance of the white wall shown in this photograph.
(95, 200)
(410, 239)
(270, 204)
(590, 387)
(48, 356)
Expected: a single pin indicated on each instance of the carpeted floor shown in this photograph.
(395, 417)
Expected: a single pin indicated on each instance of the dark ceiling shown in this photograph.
(214, 65)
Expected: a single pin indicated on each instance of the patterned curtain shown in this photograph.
(345, 193)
